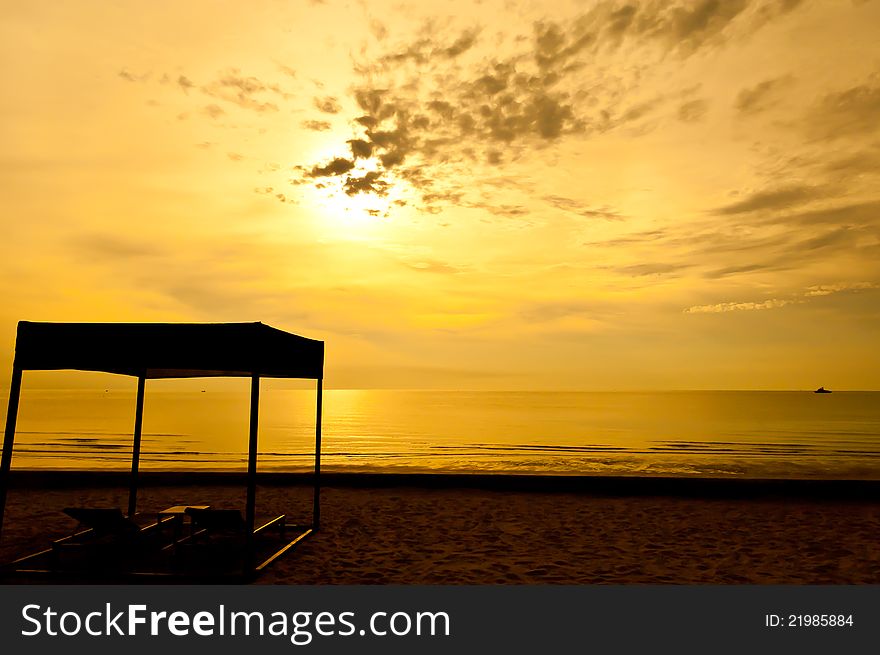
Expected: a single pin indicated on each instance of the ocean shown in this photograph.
(758, 434)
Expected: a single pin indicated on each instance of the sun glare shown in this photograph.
(356, 213)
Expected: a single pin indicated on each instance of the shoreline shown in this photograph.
(857, 490)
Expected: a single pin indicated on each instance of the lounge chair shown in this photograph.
(104, 521)
(108, 540)
(219, 540)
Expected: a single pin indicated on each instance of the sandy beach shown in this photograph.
(449, 535)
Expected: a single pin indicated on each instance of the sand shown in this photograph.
(410, 535)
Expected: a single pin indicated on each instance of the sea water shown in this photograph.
(775, 434)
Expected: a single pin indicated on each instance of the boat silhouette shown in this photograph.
(822, 390)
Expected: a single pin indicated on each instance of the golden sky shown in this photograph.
(484, 195)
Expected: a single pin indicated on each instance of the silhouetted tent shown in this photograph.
(168, 350)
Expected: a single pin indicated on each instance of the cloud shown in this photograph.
(371, 182)
(214, 111)
(185, 83)
(779, 252)
(692, 111)
(852, 112)
(433, 266)
(681, 28)
(555, 310)
(247, 92)
(110, 247)
(775, 199)
(862, 162)
(360, 148)
(637, 238)
(658, 268)
(426, 49)
(583, 209)
(378, 30)
(327, 104)
(856, 214)
(773, 303)
(316, 126)
(692, 26)
(428, 113)
(337, 166)
(133, 77)
(287, 70)
(763, 95)
(828, 289)
(510, 211)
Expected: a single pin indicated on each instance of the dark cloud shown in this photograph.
(214, 111)
(426, 49)
(864, 214)
(185, 83)
(462, 44)
(682, 28)
(360, 149)
(103, 246)
(328, 105)
(245, 91)
(738, 269)
(692, 111)
(316, 126)
(764, 95)
(852, 112)
(371, 182)
(637, 238)
(133, 77)
(692, 26)
(775, 199)
(795, 253)
(583, 209)
(511, 211)
(287, 70)
(763, 242)
(338, 166)
(655, 268)
(862, 162)
(427, 113)
(378, 30)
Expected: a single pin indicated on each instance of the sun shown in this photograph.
(358, 213)
(359, 209)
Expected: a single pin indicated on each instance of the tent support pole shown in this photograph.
(136, 447)
(316, 507)
(250, 513)
(9, 438)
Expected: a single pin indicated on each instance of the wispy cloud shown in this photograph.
(245, 91)
(723, 307)
(327, 105)
(316, 126)
(774, 199)
(133, 77)
(762, 96)
(828, 289)
(776, 303)
(846, 113)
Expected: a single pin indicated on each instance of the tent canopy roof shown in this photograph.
(169, 350)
